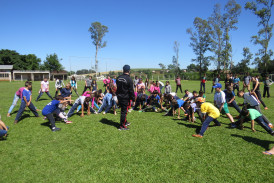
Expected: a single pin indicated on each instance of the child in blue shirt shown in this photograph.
(52, 108)
(26, 102)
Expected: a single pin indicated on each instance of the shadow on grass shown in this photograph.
(47, 124)
(109, 122)
(41, 99)
(198, 128)
(262, 143)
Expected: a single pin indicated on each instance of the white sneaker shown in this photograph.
(129, 110)
(104, 112)
(95, 112)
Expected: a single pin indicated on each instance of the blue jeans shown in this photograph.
(261, 122)
(22, 108)
(15, 100)
(74, 107)
(41, 93)
(206, 124)
(3, 132)
(105, 106)
(234, 104)
(202, 86)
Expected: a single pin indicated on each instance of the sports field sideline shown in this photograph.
(157, 148)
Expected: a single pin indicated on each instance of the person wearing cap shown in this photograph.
(220, 102)
(210, 113)
(125, 93)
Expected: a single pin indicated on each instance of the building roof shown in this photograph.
(59, 72)
(9, 67)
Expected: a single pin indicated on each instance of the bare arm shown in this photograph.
(2, 124)
(256, 86)
(220, 109)
(233, 98)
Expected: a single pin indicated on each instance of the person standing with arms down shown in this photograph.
(125, 93)
(203, 82)
(178, 84)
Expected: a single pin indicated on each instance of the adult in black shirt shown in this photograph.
(125, 93)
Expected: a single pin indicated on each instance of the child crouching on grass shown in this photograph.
(253, 115)
(210, 113)
(180, 105)
(154, 102)
(82, 101)
(53, 108)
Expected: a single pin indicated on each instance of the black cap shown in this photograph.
(126, 68)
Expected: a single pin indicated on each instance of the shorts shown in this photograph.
(225, 109)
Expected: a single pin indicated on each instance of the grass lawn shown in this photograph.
(155, 149)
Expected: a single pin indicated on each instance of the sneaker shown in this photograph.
(115, 113)
(265, 108)
(272, 133)
(197, 135)
(44, 118)
(68, 122)
(233, 125)
(54, 129)
(15, 121)
(8, 115)
(122, 128)
(270, 125)
(140, 111)
(129, 110)
(127, 124)
(156, 110)
(104, 112)
(95, 112)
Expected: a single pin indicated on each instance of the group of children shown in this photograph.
(148, 96)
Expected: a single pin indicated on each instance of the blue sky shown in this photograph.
(141, 32)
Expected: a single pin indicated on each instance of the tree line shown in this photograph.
(30, 61)
(211, 42)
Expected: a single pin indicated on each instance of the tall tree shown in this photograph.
(230, 19)
(262, 9)
(97, 32)
(216, 23)
(52, 63)
(175, 59)
(200, 43)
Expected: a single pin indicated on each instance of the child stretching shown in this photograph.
(17, 96)
(44, 89)
(73, 85)
(84, 102)
(154, 101)
(253, 115)
(180, 105)
(26, 102)
(108, 102)
(59, 84)
(210, 113)
(141, 102)
(52, 108)
(220, 103)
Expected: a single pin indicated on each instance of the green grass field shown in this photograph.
(155, 149)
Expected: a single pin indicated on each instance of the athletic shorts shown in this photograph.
(225, 109)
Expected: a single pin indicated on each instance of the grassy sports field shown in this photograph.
(155, 149)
